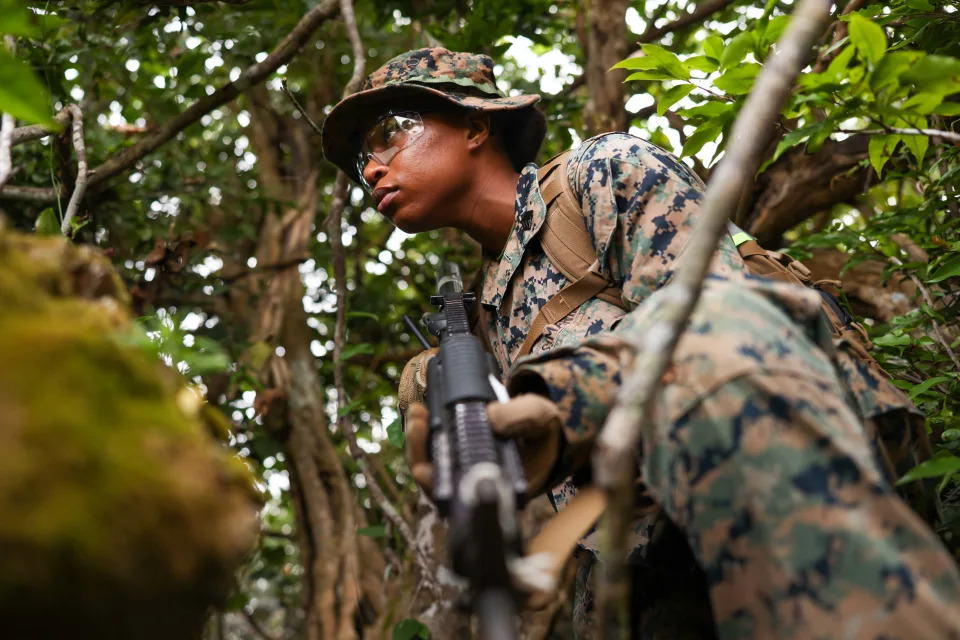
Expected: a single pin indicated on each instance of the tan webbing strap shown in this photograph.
(560, 535)
(564, 236)
(559, 306)
(750, 248)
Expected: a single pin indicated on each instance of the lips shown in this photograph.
(383, 196)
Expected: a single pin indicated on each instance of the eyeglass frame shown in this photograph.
(364, 156)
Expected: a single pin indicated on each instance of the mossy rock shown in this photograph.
(122, 517)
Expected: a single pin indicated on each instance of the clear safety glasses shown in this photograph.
(388, 137)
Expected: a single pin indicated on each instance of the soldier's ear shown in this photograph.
(478, 129)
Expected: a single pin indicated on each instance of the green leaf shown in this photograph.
(738, 80)
(643, 63)
(932, 469)
(411, 629)
(373, 531)
(795, 137)
(653, 74)
(892, 65)
(705, 133)
(926, 384)
(892, 340)
(701, 63)
(16, 20)
(868, 37)
(818, 137)
(879, 149)
(356, 349)
(737, 50)
(713, 47)
(922, 103)
(950, 435)
(933, 70)
(673, 95)
(840, 63)
(47, 224)
(395, 433)
(21, 93)
(948, 269)
(948, 109)
(774, 30)
(666, 61)
(917, 143)
(920, 5)
(710, 109)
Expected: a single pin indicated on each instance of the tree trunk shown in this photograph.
(604, 40)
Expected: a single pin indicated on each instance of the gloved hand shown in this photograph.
(413, 380)
(533, 421)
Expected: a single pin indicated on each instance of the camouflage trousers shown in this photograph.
(772, 482)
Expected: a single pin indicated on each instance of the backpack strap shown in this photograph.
(567, 243)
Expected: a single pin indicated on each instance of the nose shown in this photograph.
(373, 172)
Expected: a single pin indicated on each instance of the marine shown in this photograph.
(758, 468)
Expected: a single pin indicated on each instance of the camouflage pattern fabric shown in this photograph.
(639, 202)
(782, 500)
(757, 454)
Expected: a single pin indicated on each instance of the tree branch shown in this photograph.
(614, 458)
(7, 124)
(701, 13)
(37, 131)
(946, 135)
(6, 143)
(253, 75)
(80, 186)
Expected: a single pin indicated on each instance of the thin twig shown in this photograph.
(80, 186)
(614, 458)
(946, 135)
(702, 12)
(251, 76)
(260, 631)
(7, 124)
(937, 333)
(341, 190)
(6, 143)
(296, 103)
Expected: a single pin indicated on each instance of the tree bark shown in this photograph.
(606, 44)
(800, 184)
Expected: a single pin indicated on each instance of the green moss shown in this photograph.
(122, 517)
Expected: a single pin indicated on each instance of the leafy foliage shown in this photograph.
(183, 224)
(891, 76)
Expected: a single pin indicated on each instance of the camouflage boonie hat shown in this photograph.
(464, 79)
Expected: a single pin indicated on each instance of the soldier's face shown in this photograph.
(418, 188)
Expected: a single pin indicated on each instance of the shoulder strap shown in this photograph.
(564, 236)
(567, 243)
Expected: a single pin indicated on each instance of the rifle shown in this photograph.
(478, 481)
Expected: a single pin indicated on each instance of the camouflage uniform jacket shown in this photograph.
(757, 453)
(638, 201)
(755, 450)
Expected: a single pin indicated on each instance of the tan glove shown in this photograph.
(533, 421)
(413, 380)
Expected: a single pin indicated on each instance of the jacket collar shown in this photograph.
(530, 211)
